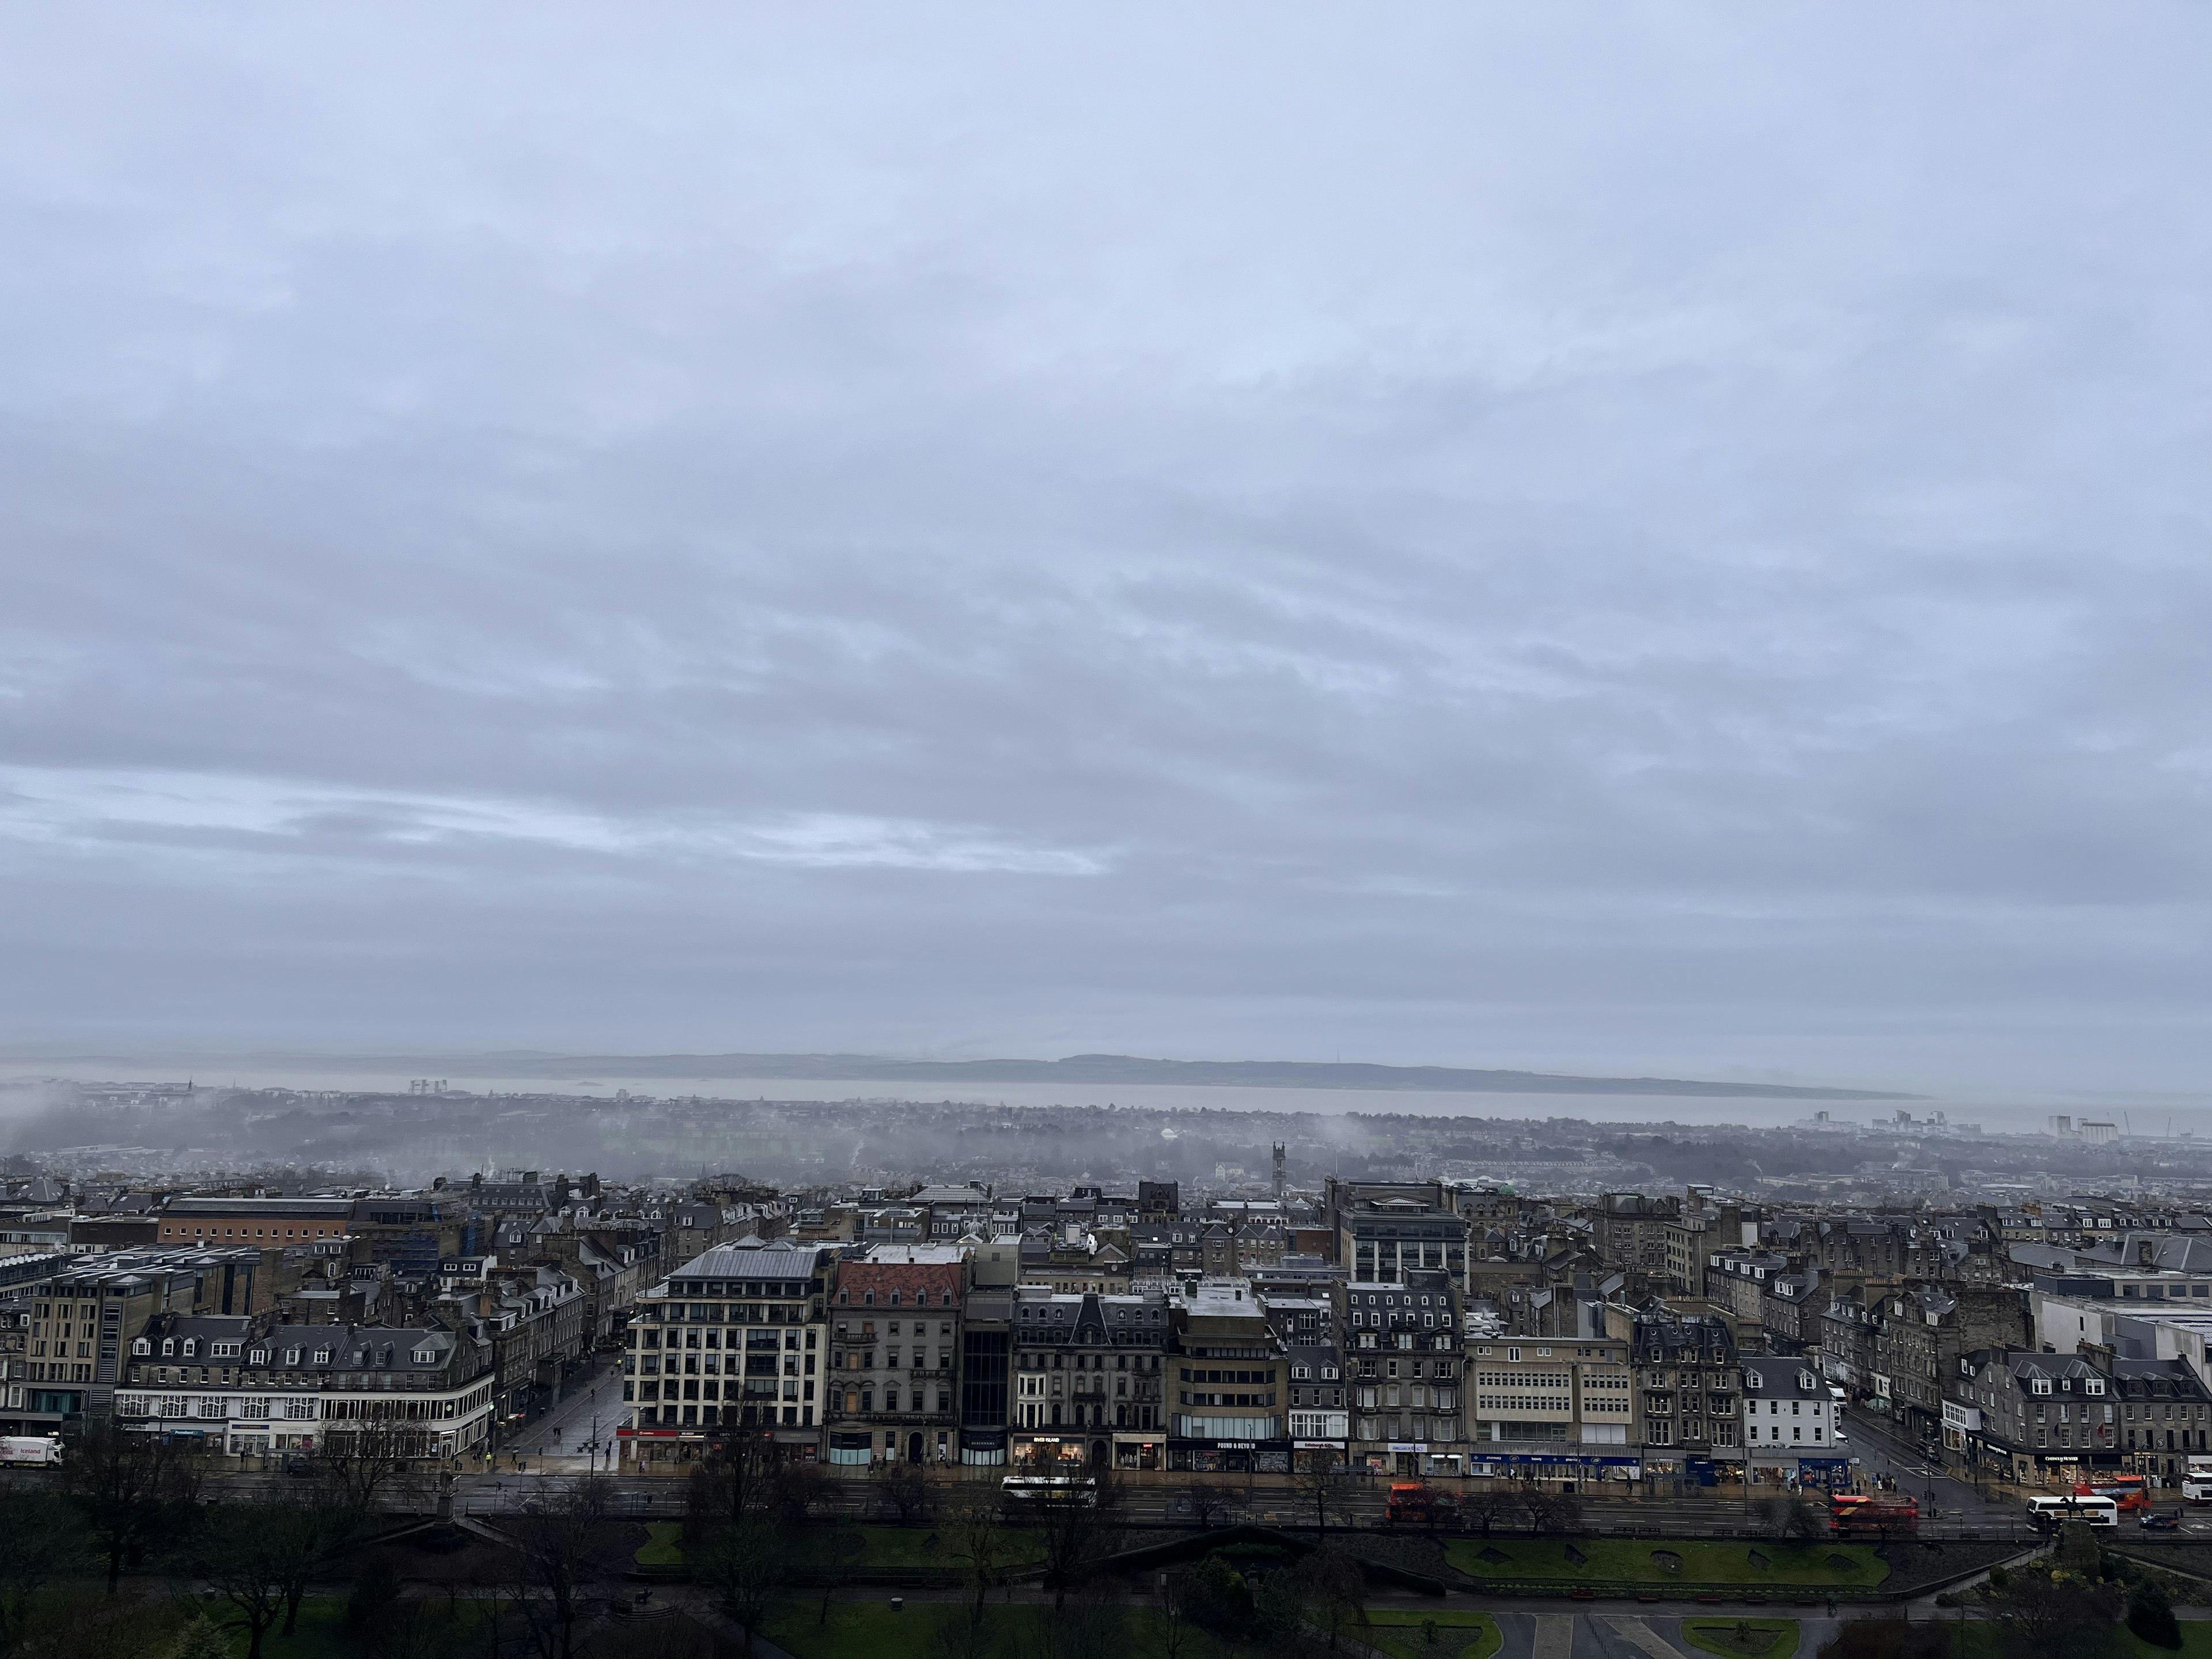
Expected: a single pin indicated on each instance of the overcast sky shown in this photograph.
(1610, 537)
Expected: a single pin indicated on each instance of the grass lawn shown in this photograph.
(322, 1633)
(1978, 1640)
(664, 1547)
(1742, 1638)
(2196, 1642)
(925, 1546)
(1460, 1634)
(870, 1629)
(1630, 1560)
(855, 1630)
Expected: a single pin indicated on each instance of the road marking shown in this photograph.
(1635, 1630)
(1555, 1636)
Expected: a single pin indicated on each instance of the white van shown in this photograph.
(2049, 1514)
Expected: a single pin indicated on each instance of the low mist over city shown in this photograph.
(1009, 832)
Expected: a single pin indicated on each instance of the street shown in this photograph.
(562, 1440)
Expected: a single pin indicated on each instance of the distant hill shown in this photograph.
(1107, 1069)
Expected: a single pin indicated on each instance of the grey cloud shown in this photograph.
(1677, 543)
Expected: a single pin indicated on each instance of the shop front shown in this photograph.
(1322, 1453)
(1415, 1459)
(1830, 1474)
(1054, 1453)
(1229, 1457)
(983, 1448)
(669, 1451)
(1140, 1452)
(1556, 1465)
(2058, 1470)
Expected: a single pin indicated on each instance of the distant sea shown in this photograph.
(2144, 1115)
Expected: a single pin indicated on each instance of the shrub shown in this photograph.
(2150, 1615)
(1221, 1599)
(204, 1639)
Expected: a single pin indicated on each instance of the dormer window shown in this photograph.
(426, 1356)
(291, 1355)
(168, 1346)
(141, 1347)
(2038, 1385)
(258, 1357)
(322, 1356)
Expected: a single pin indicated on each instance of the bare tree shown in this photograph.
(832, 1551)
(364, 1461)
(1327, 1488)
(557, 1576)
(1548, 1512)
(745, 1565)
(1095, 1627)
(1487, 1505)
(40, 1540)
(1792, 1517)
(132, 1488)
(798, 1490)
(323, 1523)
(907, 1490)
(247, 1552)
(1208, 1503)
(1177, 1633)
(981, 1543)
(737, 1481)
(1339, 1584)
(954, 1635)
(1078, 1529)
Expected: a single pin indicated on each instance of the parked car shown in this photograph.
(2159, 1521)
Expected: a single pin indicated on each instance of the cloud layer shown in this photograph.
(1674, 540)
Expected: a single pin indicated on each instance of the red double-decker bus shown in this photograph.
(2128, 1492)
(1413, 1503)
(1857, 1514)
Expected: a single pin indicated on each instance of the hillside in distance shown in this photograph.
(1107, 1069)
